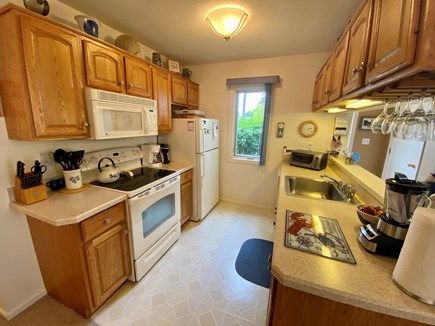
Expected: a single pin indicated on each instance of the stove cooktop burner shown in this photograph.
(142, 177)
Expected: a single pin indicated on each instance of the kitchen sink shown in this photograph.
(312, 188)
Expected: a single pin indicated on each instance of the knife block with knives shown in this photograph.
(28, 186)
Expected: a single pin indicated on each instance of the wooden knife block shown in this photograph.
(29, 195)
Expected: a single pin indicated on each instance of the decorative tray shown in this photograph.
(317, 235)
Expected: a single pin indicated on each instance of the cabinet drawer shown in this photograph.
(186, 176)
(103, 221)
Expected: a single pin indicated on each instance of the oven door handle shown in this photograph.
(154, 190)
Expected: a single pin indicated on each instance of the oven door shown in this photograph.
(152, 214)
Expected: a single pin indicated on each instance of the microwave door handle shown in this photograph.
(145, 120)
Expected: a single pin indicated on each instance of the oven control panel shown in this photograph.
(119, 155)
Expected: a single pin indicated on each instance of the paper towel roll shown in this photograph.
(414, 272)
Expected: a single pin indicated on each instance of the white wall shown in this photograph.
(20, 280)
(254, 184)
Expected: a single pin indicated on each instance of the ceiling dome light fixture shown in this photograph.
(227, 21)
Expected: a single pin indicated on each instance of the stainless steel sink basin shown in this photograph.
(312, 188)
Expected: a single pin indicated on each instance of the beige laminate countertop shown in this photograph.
(62, 209)
(366, 284)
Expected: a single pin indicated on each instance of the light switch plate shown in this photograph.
(365, 141)
(306, 146)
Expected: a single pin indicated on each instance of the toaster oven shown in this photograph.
(309, 159)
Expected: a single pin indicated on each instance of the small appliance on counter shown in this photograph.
(309, 159)
(415, 268)
(402, 197)
(151, 154)
(164, 153)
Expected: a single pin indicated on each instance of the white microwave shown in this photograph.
(112, 115)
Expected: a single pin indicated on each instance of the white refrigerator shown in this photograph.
(196, 141)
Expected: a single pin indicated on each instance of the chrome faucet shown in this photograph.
(338, 182)
(347, 189)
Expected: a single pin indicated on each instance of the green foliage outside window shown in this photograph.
(249, 131)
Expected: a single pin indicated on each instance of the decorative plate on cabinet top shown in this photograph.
(127, 43)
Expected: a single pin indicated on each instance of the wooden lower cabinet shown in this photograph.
(288, 306)
(83, 264)
(186, 196)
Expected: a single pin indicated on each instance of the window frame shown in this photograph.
(261, 160)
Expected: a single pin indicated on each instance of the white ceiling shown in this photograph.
(177, 29)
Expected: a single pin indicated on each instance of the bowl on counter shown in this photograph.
(369, 214)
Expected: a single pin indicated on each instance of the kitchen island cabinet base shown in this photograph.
(288, 306)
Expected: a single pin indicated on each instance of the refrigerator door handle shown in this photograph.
(202, 143)
(202, 167)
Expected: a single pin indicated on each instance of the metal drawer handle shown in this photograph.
(121, 83)
(130, 85)
(125, 232)
(106, 220)
(354, 71)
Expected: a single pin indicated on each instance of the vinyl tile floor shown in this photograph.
(194, 283)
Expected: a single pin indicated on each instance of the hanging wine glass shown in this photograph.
(398, 123)
(377, 122)
(416, 125)
(387, 125)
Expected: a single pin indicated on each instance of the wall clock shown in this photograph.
(308, 128)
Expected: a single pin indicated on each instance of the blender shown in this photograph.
(402, 197)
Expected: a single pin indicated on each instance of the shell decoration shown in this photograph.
(127, 43)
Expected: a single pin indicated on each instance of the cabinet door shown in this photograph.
(108, 261)
(317, 91)
(338, 68)
(394, 37)
(55, 77)
(138, 78)
(186, 201)
(193, 95)
(104, 67)
(357, 51)
(162, 95)
(326, 87)
(179, 90)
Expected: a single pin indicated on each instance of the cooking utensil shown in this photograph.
(76, 158)
(60, 156)
(108, 173)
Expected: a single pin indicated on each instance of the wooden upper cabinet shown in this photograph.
(192, 94)
(326, 81)
(138, 78)
(162, 95)
(184, 92)
(339, 56)
(358, 49)
(394, 37)
(104, 67)
(179, 90)
(42, 85)
(317, 95)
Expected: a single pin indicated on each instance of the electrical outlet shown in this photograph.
(365, 141)
(306, 146)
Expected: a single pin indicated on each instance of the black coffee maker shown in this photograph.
(402, 197)
(164, 153)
